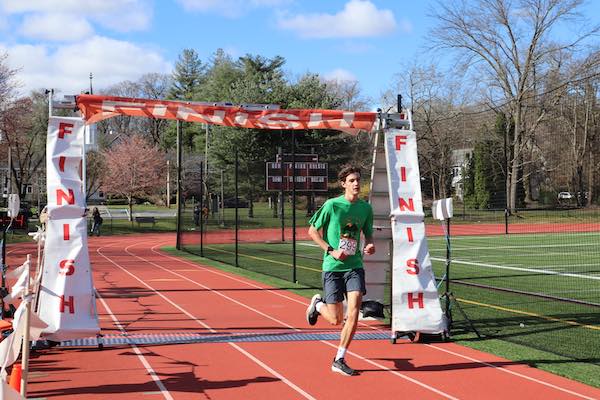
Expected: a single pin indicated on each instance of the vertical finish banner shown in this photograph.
(67, 302)
(415, 300)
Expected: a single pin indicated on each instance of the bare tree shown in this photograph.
(149, 86)
(435, 100)
(134, 168)
(7, 97)
(24, 123)
(348, 91)
(509, 43)
(113, 130)
(94, 172)
(154, 86)
(8, 84)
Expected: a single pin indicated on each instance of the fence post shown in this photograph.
(294, 207)
(202, 210)
(282, 194)
(178, 240)
(237, 223)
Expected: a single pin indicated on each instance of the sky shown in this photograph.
(58, 43)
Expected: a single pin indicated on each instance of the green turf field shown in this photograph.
(543, 289)
(539, 293)
(565, 265)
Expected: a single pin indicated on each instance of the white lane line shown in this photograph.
(529, 246)
(484, 237)
(387, 369)
(537, 271)
(232, 277)
(380, 366)
(272, 371)
(155, 377)
(275, 373)
(545, 257)
(514, 373)
(217, 272)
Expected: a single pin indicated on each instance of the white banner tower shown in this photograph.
(400, 231)
(67, 302)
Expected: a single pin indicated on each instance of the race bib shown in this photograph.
(348, 245)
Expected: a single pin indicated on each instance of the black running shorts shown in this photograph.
(337, 284)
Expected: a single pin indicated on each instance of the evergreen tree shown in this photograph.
(482, 175)
(468, 174)
(188, 76)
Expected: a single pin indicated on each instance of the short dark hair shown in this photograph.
(347, 170)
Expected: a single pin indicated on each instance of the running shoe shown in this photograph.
(343, 368)
(311, 312)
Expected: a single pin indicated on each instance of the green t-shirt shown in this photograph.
(340, 218)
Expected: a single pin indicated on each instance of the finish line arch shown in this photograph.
(394, 171)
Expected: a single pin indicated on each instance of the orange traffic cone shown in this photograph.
(15, 377)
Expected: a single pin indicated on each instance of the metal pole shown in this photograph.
(25, 349)
(168, 184)
(86, 130)
(4, 229)
(10, 175)
(3, 271)
(448, 316)
(38, 196)
(178, 198)
(282, 194)
(201, 212)
(294, 207)
(222, 200)
(50, 94)
(506, 176)
(206, 152)
(237, 227)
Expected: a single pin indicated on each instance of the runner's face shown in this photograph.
(352, 184)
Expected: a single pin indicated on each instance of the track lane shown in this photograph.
(563, 386)
(237, 320)
(306, 364)
(178, 351)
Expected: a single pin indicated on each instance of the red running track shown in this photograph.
(143, 290)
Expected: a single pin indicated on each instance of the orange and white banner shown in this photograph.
(96, 108)
(415, 301)
(67, 302)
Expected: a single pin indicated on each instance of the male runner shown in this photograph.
(336, 228)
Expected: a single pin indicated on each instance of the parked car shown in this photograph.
(565, 196)
(230, 203)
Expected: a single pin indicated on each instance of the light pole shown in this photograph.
(10, 186)
(206, 152)
(3, 266)
(168, 184)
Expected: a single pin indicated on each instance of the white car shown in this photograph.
(565, 196)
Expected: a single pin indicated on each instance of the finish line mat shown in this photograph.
(182, 338)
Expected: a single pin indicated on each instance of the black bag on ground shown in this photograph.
(372, 308)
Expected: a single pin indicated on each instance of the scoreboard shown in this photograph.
(310, 174)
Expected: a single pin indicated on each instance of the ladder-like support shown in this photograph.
(378, 265)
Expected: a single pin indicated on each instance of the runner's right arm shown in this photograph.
(315, 235)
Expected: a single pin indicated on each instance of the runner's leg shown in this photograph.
(354, 302)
